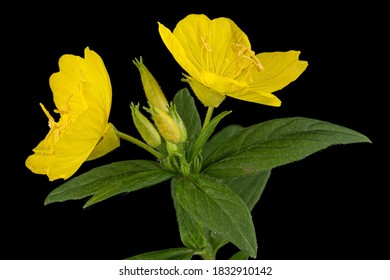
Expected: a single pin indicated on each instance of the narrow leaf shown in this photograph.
(274, 143)
(219, 209)
(205, 134)
(126, 184)
(167, 254)
(114, 175)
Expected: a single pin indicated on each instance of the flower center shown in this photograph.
(246, 61)
(57, 128)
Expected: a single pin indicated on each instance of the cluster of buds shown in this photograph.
(166, 130)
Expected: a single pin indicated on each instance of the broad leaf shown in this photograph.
(192, 233)
(219, 138)
(274, 143)
(250, 189)
(219, 209)
(186, 108)
(109, 180)
(167, 254)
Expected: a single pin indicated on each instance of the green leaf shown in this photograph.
(109, 180)
(167, 254)
(249, 188)
(205, 134)
(192, 232)
(219, 138)
(239, 256)
(274, 143)
(186, 108)
(219, 209)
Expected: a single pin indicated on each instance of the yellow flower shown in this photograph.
(219, 61)
(82, 94)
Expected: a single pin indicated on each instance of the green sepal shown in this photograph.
(181, 253)
(219, 209)
(108, 180)
(274, 143)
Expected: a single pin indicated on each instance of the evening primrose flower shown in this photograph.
(82, 94)
(219, 61)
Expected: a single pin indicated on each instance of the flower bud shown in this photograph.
(176, 117)
(145, 127)
(152, 89)
(166, 125)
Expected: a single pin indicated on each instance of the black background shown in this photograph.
(331, 205)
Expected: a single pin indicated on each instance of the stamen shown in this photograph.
(46, 112)
(206, 53)
(246, 59)
(56, 129)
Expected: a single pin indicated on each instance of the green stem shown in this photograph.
(139, 143)
(208, 116)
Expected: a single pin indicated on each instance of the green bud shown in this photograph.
(145, 127)
(166, 125)
(152, 89)
(176, 117)
(171, 148)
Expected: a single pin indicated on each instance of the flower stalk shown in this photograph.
(139, 143)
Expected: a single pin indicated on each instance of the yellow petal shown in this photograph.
(108, 142)
(251, 95)
(224, 33)
(96, 82)
(39, 163)
(221, 84)
(66, 84)
(207, 96)
(281, 68)
(75, 145)
(177, 50)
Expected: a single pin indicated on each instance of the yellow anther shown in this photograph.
(245, 59)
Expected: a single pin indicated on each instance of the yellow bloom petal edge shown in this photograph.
(218, 58)
(82, 94)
